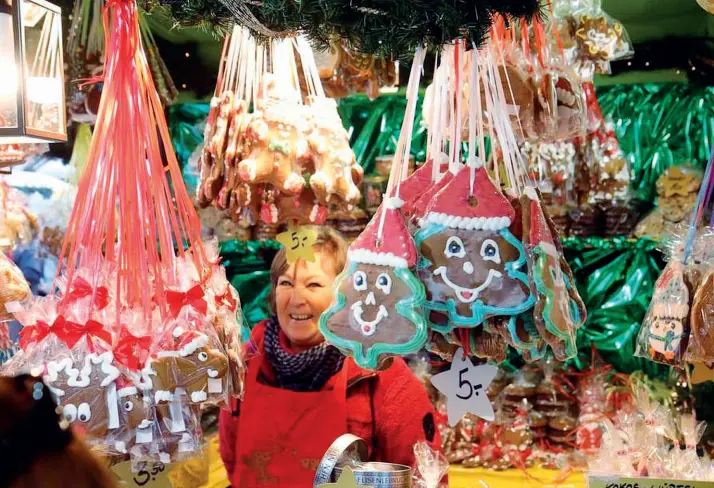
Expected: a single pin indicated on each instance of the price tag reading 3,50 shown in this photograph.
(464, 386)
(150, 475)
(298, 242)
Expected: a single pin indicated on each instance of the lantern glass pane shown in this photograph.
(8, 68)
(44, 91)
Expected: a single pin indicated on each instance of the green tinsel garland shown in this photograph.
(382, 27)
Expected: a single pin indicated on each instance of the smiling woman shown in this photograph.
(301, 393)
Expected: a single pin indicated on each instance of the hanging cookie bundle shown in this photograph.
(144, 328)
(275, 150)
(486, 259)
(378, 299)
(678, 319)
(85, 61)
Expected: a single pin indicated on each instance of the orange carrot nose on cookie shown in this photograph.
(80, 431)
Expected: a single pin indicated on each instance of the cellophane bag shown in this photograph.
(14, 290)
(664, 334)
(600, 38)
(431, 466)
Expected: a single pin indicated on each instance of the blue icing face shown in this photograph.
(472, 275)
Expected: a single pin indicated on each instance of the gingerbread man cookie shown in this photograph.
(275, 147)
(337, 174)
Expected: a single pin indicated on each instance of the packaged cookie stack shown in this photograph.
(287, 160)
(144, 327)
(676, 198)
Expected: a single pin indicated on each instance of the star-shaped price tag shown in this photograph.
(464, 386)
(702, 372)
(298, 241)
(347, 480)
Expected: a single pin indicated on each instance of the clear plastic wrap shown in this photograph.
(600, 38)
(14, 290)
(664, 334)
(431, 466)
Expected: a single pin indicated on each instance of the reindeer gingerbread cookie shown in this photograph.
(376, 312)
(471, 265)
(196, 368)
(87, 392)
(137, 418)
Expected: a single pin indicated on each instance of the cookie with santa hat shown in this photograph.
(376, 310)
(471, 265)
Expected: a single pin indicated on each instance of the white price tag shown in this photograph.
(464, 386)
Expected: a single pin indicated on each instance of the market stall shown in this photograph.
(533, 244)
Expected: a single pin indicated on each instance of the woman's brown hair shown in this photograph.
(328, 241)
(39, 452)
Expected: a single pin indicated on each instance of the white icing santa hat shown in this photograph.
(456, 207)
(125, 387)
(396, 247)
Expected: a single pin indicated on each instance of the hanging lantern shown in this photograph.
(32, 107)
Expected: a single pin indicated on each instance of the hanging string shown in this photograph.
(474, 112)
(704, 194)
(401, 155)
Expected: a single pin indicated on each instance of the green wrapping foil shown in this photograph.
(658, 125)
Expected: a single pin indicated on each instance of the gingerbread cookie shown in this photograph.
(701, 346)
(196, 367)
(412, 188)
(554, 309)
(275, 147)
(376, 312)
(665, 330)
(470, 263)
(337, 174)
(86, 391)
(597, 37)
(136, 418)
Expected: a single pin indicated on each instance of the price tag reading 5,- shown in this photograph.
(149, 476)
(464, 386)
(298, 241)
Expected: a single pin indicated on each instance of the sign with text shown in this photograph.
(617, 482)
(150, 475)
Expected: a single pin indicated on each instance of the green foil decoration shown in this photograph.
(657, 125)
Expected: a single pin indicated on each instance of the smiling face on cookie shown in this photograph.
(369, 316)
(469, 267)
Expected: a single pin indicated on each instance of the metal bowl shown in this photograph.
(381, 475)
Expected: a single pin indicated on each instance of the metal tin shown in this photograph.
(374, 188)
(381, 475)
(383, 164)
(346, 447)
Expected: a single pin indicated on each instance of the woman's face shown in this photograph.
(303, 292)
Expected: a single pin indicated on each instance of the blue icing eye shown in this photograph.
(454, 248)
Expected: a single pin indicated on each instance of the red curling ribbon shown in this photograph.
(130, 350)
(227, 299)
(81, 288)
(72, 332)
(193, 298)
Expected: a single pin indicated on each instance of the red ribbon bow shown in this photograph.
(132, 351)
(35, 333)
(193, 297)
(227, 299)
(81, 288)
(72, 332)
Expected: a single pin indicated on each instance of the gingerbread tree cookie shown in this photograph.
(376, 312)
(471, 264)
(556, 315)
